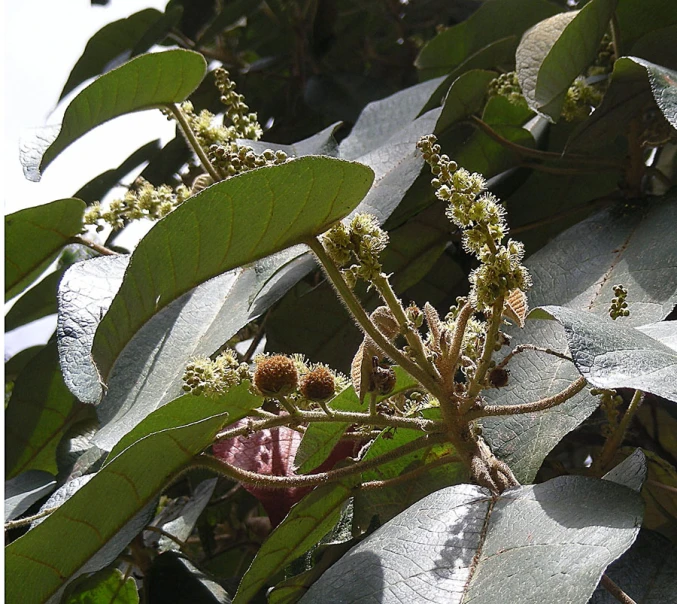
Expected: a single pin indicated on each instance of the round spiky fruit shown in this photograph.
(318, 385)
(276, 376)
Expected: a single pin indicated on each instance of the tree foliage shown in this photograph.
(316, 378)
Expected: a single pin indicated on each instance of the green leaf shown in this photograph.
(16, 364)
(234, 222)
(145, 82)
(22, 491)
(578, 270)
(610, 355)
(637, 18)
(633, 83)
(181, 411)
(97, 188)
(103, 587)
(386, 502)
(480, 153)
(44, 559)
(465, 97)
(108, 44)
(39, 412)
(494, 20)
(307, 522)
(320, 438)
(555, 51)
(33, 238)
(37, 302)
(461, 544)
(385, 118)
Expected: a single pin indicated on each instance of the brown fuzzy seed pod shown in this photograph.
(382, 379)
(318, 385)
(498, 377)
(276, 376)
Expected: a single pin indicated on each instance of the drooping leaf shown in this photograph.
(85, 293)
(555, 51)
(33, 238)
(647, 572)
(460, 545)
(307, 522)
(149, 370)
(22, 491)
(88, 523)
(39, 412)
(223, 227)
(636, 84)
(610, 355)
(108, 44)
(97, 188)
(37, 302)
(578, 270)
(148, 81)
(107, 585)
(494, 20)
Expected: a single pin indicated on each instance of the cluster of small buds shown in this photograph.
(581, 98)
(604, 61)
(619, 307)
(231, 159)
(610, 403)
(214, 378)
(244, 122)
(143, 200)
(482, 220)
(206, 126)
(507, 85)
(356, 247)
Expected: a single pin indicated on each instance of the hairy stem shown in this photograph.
(545, 403)
(537, 153)
(365, 323)
(175, 110)
(614, 441)
(615, 591)
(306, 480)
(412, 336)
(390, 482)
(487, 352)
(345, 417)
(92, 245)
(524, 347)
(12, 524)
